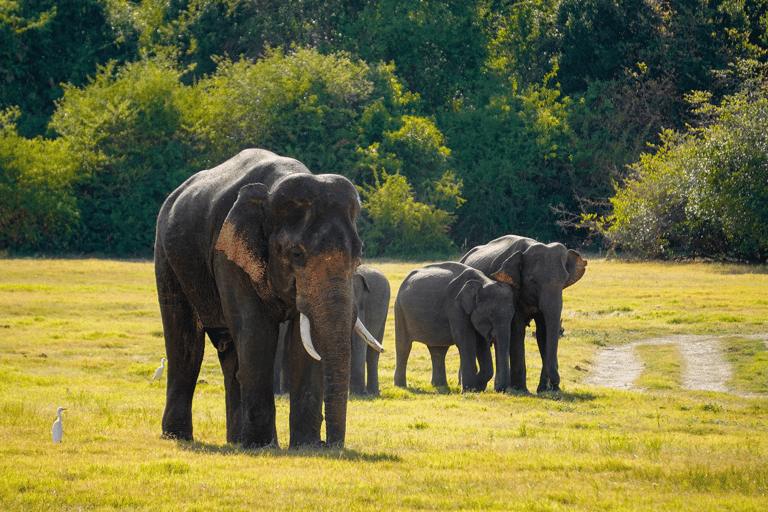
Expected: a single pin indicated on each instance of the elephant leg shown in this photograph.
(357, 369)
(486, 365)
(403, 345)
(281, 360)
(257, 393)
(517, 370)
(222, 340)
(437, 353)
(372, 368)
(254, 337)
(467, 339)
(306, 416)
(184, 347)
(468, 370)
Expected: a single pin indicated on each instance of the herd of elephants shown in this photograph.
(259, 249)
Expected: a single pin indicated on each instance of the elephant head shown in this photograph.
(297, 241)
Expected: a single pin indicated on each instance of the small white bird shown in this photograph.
(58, 429)
(159, 371)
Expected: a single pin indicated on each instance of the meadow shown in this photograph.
(86, 335)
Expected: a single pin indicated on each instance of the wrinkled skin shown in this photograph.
(239, 249)
(538, 277)
(449, 303)
(372, 294)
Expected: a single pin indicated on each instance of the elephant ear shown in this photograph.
(363, 280)
(510, 270)
(467, 295)
(576, 266)
(241, 234)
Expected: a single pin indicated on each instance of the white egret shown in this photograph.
(159, 371)
(58, 429)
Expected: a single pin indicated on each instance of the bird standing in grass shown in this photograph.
(159, 371)
(58, 429)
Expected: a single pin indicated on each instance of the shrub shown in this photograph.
(37, 205)
(400, 226)
(703, 193)
(124, 129)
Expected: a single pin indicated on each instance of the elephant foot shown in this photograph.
(177, 436)
(317, 445)
(549, 391)
(548, 387)
(256, 445)
(518, 391)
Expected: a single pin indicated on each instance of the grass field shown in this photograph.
(86, 335)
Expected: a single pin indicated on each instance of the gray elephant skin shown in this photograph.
(450, 303)
(372, 294)
(538, 277)
(241, 248)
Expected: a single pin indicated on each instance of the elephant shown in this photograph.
(372, 294)
(449, 303)
(538, 277)
(239, 249)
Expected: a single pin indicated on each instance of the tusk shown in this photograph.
(306, 338)
(367, 336)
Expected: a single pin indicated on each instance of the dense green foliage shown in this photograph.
(703, 192)
(527, 112)
(38, 210)
(44, 43)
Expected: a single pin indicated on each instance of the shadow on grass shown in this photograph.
(320, 452)
(564, 396)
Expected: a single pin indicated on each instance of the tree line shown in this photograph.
(639, 125)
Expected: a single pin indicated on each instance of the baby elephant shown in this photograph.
(450, 303)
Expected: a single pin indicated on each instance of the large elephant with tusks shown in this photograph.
(240, 248)
(538, 273)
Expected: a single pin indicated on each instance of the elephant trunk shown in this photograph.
(326, 299)
(550, 376)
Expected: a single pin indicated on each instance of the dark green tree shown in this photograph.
(38, 209)
(124, 130)
(44, 43)
(438, 47)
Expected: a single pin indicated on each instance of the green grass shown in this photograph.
(662, 367)
(86, 334)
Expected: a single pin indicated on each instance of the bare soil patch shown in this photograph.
(705, 367)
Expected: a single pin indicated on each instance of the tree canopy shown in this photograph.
(458, 121)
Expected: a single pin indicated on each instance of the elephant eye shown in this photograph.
(296, 254)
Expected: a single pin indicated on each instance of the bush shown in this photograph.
(37, 205)
(124, 130)
(400, 226)
(703, 193)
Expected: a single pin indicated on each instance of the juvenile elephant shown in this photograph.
(240, 248)
(449, 303)
(538, 276)
(371, 289)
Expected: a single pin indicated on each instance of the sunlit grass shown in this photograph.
(86, 334)
(662, 367)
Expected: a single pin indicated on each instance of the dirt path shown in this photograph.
(705, 366)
